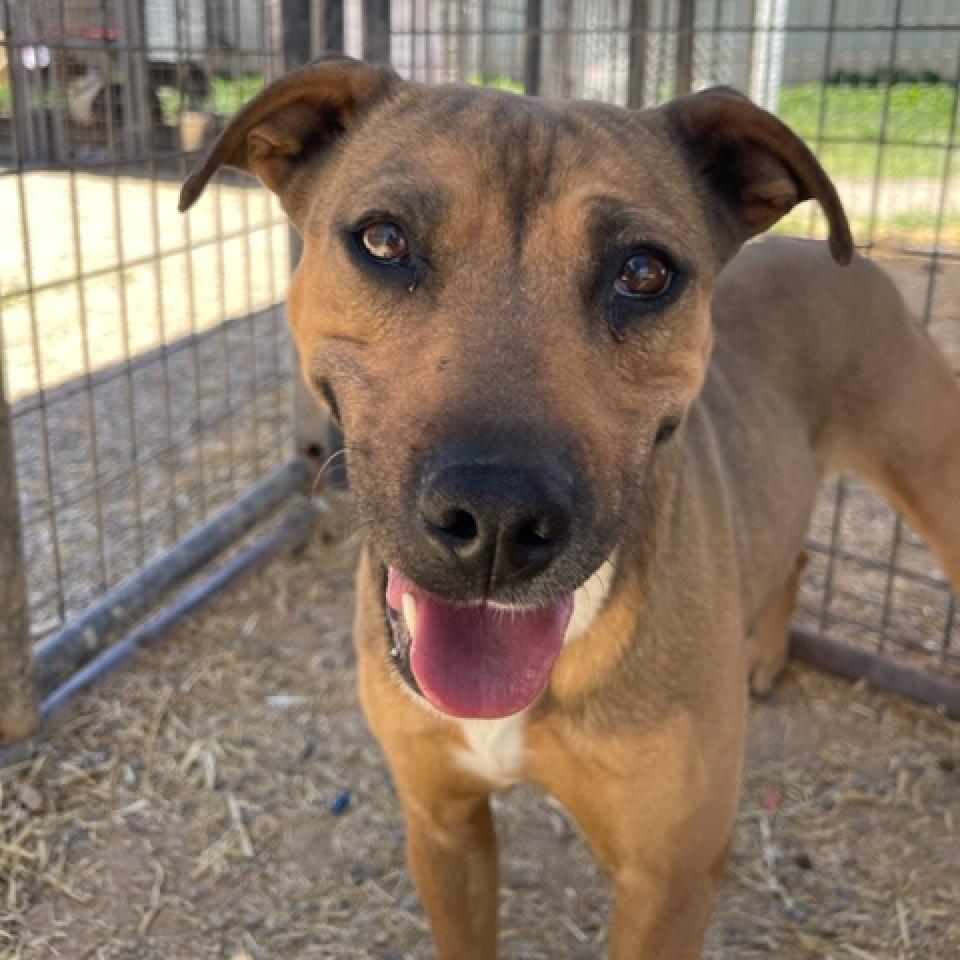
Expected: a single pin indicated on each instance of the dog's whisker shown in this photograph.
(323, 468)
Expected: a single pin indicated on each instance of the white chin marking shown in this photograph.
(410, 613)
(590, 599)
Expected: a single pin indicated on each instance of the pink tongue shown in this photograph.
(478, 661)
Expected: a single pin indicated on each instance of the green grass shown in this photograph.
(229, 95)
(498, 80)
(917, 127)
(226, 96)
(5, 100)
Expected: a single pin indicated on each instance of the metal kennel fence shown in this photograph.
(146, 369)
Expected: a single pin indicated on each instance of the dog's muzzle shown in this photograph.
(476, 627)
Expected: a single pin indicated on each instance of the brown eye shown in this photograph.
(385, 241)
(644, 275)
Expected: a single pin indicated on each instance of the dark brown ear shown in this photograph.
(282, 133)
(754, 167)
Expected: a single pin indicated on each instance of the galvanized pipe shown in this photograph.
(62, 654)
(292, 533)
(881, 672)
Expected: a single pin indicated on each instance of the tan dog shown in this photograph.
(585, 448)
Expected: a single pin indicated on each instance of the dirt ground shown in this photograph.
(222, 798)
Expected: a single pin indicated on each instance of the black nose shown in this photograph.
(500, 522)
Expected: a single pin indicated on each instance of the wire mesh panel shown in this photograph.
(146, 357)
(583, 48)
(873, 87)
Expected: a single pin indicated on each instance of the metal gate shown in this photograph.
(145, 360)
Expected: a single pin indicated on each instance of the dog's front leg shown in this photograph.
(658, 916)
(658, 808)
(451, 844)
(451, 848)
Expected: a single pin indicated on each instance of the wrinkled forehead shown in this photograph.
(444, 152)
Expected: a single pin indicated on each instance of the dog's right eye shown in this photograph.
(644, 276)
(386, 242)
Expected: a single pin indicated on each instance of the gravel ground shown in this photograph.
(222, 798)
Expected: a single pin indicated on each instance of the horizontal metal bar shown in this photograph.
(60, 655)
(84, 382)
(880, 566)
(65, 42)
(292, 533)
(941, 146)
(883, 639)
(71, 497)
(881, 672)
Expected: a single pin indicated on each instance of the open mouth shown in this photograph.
(481, 660)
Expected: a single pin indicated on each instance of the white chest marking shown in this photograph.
(494, 749)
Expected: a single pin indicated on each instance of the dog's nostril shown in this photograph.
(459, 525)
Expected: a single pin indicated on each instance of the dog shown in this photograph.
(585, 424)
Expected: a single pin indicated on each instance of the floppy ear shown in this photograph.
(283, 133)
(754, 168)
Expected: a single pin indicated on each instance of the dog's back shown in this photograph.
(819, 369)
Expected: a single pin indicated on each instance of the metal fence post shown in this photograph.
(376, 31)
(330, 24)
(685, 21)
(18, 710)
(532, 48)
(310, 425)
(297, 18)
(637, 52)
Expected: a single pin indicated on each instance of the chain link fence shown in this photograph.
(146, 364)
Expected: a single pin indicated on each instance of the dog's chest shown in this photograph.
(493, 749)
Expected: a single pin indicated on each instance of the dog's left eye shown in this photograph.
(386, 242)
(644, 276)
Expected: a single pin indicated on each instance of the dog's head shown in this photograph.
(506, 303)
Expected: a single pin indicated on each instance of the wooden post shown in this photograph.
(18, 708)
